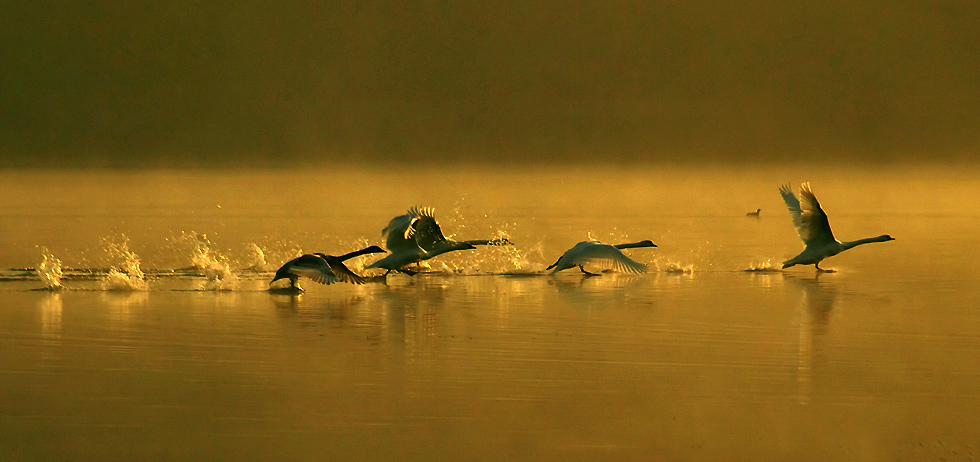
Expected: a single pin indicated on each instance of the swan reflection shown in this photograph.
(816, 306)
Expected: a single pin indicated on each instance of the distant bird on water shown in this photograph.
(754, 214)
(321, 268)
(591, 251)
(814, 228)
(415, 237)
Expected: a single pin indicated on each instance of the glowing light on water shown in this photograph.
(51, 325)
(126, 276)
(49, 271)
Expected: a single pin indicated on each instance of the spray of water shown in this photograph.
(677, 268)
(49, 271)
(491, 259)
(762, 267)
(209, 263)
(125, 274)
(253, 258)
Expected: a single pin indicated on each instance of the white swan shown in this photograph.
(814, 228)
(321, 268)
(589, 251)
(415, 237)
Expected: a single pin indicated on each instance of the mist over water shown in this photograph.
(204, 85)
(163, 333)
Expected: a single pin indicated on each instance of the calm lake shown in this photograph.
(165, 344)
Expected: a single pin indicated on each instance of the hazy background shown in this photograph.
(187, 83)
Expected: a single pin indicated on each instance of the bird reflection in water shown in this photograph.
(817, 305)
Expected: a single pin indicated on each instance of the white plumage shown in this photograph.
(593, 252)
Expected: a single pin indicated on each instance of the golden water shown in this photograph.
(486, 358)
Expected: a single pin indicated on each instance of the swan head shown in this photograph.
(885, 237)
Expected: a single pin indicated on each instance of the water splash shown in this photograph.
(677, 268)
(253, 258)
(218, 276)
(207, 262)
(127, 275)
(762, 267)
(49, 271)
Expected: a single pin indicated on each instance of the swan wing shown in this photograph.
(343, 273)
(397, 229)
(624, 264)
(810, 220)
(793, 204)
(594, 252)
(401, 230)
(427, 232)
(313, 267)
(815, 228)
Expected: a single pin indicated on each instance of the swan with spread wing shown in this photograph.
(416, 236)
(594, 251)
(814, 228)
(322, 268)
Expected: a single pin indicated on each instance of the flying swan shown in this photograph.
(588, 251)
(811, 222)
(415, 237)
(321, 268)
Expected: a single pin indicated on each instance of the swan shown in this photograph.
(754, 214)
(811, 222)
(321, 268)
(587, 251)
(415, 237)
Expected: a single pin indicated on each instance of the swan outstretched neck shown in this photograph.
(851, 244)
(814, 229)
(634, 245)
(322, 268)
(416, 236)
(358, 253)
(592, 251)
(401, 257)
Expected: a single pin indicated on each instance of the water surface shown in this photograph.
(163, 343)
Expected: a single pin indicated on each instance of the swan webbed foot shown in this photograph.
(821, 270)
(586, 272)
